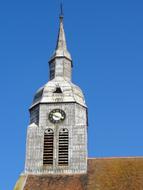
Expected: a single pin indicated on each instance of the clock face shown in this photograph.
(57, 116)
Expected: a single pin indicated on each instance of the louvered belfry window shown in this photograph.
(48, 147)
(63, 147)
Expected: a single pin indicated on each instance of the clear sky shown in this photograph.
(105, 39)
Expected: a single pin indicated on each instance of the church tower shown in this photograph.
(57, 133)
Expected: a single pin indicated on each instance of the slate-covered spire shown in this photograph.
(61, 47)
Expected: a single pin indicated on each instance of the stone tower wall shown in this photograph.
(75, 122)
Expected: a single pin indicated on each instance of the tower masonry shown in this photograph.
(57, 133)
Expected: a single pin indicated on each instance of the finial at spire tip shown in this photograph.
(62, 12)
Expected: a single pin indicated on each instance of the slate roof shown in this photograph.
(103, 174)
(61, 47)
(70, 92)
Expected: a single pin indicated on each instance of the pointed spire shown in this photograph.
(61, 47)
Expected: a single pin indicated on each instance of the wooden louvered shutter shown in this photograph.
(48, 147)
(63, 147)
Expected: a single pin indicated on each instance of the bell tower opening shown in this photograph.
(48, 147)
(63, 147)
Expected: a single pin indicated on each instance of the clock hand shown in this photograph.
(57, 114)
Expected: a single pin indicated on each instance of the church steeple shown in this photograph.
(61, 46)
(61, 62)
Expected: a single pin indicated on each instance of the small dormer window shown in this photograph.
(58, 90)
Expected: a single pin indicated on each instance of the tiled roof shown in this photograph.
(103, 174)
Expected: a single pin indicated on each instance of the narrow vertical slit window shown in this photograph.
(48, 147)
(63, 147)
(52, 70)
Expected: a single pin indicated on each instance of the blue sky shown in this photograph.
(105, 39)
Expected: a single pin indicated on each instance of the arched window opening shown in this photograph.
(48, 147)
(63, 147)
